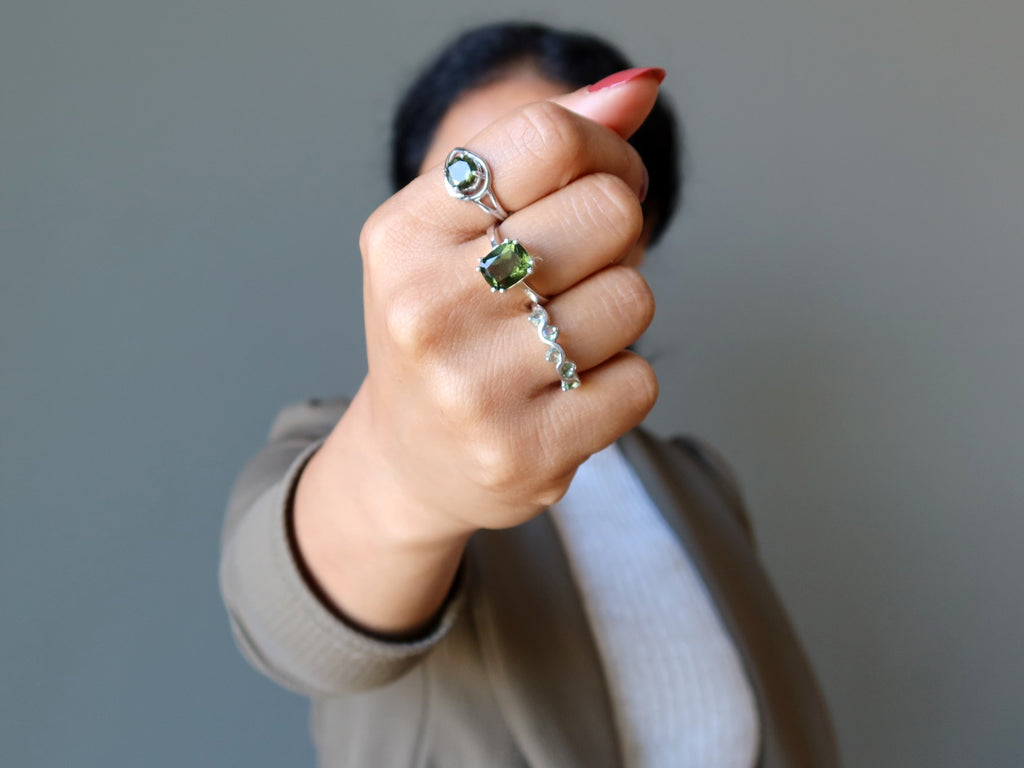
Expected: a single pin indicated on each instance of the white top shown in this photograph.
(679, 691)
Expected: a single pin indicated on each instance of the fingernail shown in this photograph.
(626, 75)
(644, 185)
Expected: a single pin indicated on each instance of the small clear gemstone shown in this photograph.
(555, 355)
(550, 332)
(567, 370)
(506, 265)
(538, 316)
(567, 385)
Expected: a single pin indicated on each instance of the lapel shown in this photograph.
(541, 657)
(795, 727)
(538, 650)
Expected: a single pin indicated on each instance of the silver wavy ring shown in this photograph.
(468, 177)
(505, 259)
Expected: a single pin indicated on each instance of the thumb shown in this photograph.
(621, 101)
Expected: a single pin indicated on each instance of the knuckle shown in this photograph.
(456, 402)
(551, 494)
(632, 295)
(642, 383)
(373, 232)
(498, 467)
(614, 207)
(552, 134)
(391, 228)
(411, 324)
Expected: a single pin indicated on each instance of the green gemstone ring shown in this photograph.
(507, 265)
(468, 177)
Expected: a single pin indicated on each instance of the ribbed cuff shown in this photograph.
(290, 631)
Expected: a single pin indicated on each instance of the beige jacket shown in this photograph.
(510, 675)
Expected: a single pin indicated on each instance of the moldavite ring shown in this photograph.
(468, 177)
(508, 264)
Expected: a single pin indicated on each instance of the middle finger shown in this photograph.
(576, 231)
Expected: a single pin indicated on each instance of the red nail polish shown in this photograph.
(626, 75)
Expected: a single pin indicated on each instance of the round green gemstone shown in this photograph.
(567, 385)
(506, 265)
(568, 370)
(462, 173)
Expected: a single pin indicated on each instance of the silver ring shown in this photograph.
(468, 177)
(509, 250)
(556, 355)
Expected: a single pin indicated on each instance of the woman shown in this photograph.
(479, 561)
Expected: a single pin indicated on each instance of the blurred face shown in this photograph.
(478, 108)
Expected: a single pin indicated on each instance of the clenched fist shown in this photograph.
(460, 423)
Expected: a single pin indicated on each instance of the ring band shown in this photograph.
(548, 333)
(468, 177)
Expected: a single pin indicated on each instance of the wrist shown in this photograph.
(354, 477)
(377, 565)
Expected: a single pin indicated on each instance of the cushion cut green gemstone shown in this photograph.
(506, 265)
(462, 173)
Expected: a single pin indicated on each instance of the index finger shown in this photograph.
(541, 147)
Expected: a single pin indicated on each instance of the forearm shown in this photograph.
(362, 541)
(283, 628)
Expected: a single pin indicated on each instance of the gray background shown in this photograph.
(182, 186)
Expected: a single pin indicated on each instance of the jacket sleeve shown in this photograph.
(280, 624)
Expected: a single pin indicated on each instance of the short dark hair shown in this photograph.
(479, 55)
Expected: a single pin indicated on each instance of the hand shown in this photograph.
(460, 423)
(460, 403)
